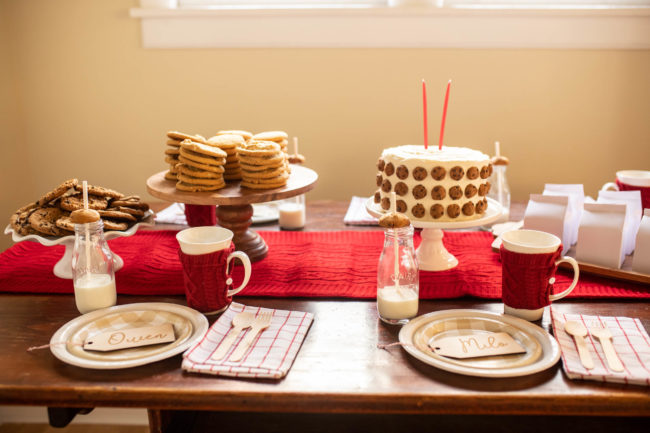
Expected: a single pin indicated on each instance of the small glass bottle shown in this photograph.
(92, 268)
(291, 213)
(397, 280)
(500, 191)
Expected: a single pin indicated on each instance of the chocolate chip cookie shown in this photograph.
(438, 192)
(437, 210)
(419, 173)
(455, 192)
(457, 172)
(402, 172)
(419, 192)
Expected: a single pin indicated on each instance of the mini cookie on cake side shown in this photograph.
(434, 185)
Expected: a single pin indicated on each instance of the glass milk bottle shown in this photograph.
(92, 268)
(291, 213)
(397, 277)
(500, 191)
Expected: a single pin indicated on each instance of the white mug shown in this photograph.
(537, 242)
(634, 178)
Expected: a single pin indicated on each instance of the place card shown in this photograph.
(548, 213)
(477, 345)
(130, 337)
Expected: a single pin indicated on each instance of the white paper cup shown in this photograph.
(204, 240)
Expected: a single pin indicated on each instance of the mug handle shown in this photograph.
(576, 274)
(247, 271)
(609, 186)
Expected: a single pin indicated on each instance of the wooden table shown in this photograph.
(339, 381)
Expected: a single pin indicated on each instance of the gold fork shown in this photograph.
(262, 321)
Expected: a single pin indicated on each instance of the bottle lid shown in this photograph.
(500, 160)
(84, 216)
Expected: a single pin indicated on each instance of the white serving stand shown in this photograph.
(63, 268)
(432, 254)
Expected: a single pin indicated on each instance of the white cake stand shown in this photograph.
(63, 268)
(432, 254)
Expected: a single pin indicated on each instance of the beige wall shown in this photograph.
(93, 104)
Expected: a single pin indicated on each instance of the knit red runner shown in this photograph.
(310, 264)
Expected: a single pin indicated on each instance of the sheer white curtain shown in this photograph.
(339, 3)
(547, 3)
(452, 3)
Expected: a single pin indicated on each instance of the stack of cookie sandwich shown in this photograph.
(229, 144)
(263, 165)
(279, 137)
(201, 167)
(174, 139)
(50, 214)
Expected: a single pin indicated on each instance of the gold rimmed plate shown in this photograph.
(421, 333)
(66, 344)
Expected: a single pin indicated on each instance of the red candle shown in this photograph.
(444, 116)
(424, 114)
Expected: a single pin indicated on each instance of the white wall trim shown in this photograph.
(403, 27)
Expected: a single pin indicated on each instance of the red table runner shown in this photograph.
(311, 264)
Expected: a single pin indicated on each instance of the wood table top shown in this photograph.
(339, 368)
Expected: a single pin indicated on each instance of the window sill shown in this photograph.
(403, 27)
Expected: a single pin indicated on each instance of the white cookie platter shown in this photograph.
(63, 268)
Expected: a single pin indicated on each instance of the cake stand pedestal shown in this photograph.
(234, 204)
(432, 254)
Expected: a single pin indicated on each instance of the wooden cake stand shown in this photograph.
(234, 204)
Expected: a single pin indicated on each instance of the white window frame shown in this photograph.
(398, 25)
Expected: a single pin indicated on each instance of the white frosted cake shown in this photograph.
(434, 185)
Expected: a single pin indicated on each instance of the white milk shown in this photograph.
(292, 216)
(94, 291)
(397, 303)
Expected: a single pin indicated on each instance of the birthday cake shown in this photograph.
(434, 185)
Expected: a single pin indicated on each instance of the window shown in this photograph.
(590, 24)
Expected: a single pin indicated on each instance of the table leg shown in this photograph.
(60, 417)
(239, 219)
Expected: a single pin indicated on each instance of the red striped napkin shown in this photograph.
(271, 354)
(630, 341)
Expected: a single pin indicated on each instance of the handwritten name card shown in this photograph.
(475, 345)
(130, 337)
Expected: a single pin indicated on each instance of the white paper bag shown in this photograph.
(641, 260)
(548, 214)
(632, 200)
(576, 194)
(600, 237)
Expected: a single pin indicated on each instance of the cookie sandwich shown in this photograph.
(201, 167)
(229, 143)
(263, 165)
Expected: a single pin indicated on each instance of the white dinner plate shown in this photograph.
(66, 343)
(542, 351)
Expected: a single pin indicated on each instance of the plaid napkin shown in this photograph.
(630, 341)
(271, 354)
(357, 215)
